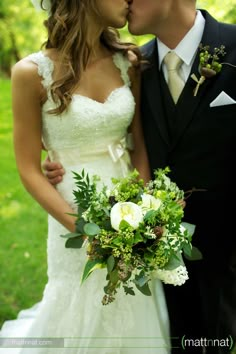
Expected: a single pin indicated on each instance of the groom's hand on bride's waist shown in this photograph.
(53, 171)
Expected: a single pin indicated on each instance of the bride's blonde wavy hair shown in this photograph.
(67, 32)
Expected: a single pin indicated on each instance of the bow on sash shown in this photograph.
(119, 152)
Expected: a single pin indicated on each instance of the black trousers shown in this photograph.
(202, 311)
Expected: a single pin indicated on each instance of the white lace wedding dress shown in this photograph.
(89, 135)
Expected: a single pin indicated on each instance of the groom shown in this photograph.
(196, 137)
(197, 140)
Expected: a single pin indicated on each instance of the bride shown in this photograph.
(80, 97)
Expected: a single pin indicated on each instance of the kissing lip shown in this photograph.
(126, 12)
(130, 12)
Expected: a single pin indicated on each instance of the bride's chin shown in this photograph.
(122, 23)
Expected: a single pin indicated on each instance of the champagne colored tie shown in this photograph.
(175, 82)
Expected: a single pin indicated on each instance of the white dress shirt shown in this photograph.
(186, 49)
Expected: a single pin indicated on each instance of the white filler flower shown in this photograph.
(128, 211)
(177, 276)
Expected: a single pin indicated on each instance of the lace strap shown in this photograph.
(122, 63)
(45, 67)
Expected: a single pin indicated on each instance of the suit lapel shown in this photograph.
(151, 84)
(187, 103)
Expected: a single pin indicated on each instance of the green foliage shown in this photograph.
(90, 266)
(85, 190)
(226, 13)
(129, 188)
(21, 31)
(91, 229)
(144, 232)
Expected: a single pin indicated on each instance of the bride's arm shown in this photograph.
(27, 94)
(139, 154)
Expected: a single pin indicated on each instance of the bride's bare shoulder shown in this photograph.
(24, 69)
(28, 66)
(25, 76)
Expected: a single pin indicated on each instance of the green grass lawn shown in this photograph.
(23, 228)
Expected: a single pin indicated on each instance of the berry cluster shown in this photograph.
(210, 62)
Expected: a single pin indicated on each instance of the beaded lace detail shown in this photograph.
(45, 67)
(94, 124)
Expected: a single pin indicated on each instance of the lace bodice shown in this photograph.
(88, 126)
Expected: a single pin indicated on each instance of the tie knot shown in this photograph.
(172, 61)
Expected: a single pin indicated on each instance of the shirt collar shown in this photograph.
(188, 46)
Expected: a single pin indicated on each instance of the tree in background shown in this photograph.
(21, 30)
(224, 11)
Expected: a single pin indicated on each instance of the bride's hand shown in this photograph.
(53, 171)
(133, 58)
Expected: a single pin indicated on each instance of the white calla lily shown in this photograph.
(128, 211)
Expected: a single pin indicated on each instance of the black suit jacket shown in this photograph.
(199, 146)
(201, 152)
(202, 145)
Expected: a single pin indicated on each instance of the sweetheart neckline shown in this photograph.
(105, 101)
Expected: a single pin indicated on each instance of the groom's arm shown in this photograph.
(53, 171)
(138, 154)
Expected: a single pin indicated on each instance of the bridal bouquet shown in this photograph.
(134, 230)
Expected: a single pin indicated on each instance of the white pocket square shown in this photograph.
(222, 100)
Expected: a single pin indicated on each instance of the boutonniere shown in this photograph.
(209, 64)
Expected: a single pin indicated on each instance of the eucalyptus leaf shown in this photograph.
(75, 242)
(91, 229)
(80, 225)
(187, 249)
(189, 227)
(175, 261)
(70, 235)
(195, 255)
(144, 289)
(141, 280)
